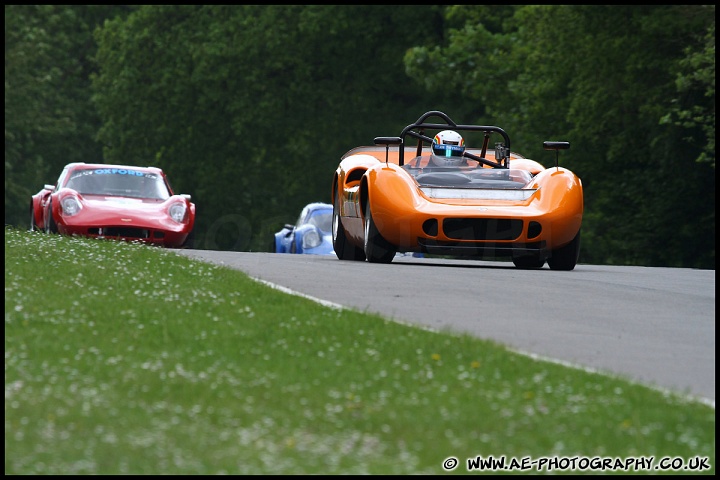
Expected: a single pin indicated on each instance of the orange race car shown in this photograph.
(442, 197)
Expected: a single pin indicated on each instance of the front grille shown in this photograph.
(121, 232)
(482, 228)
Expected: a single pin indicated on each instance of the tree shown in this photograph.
(603, 78)
(49, 118)
(249, 108)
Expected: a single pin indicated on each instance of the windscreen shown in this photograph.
(118, 182)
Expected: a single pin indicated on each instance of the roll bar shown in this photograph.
(502, 150)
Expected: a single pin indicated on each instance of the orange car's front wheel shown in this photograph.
(565, 258)
(377, 249)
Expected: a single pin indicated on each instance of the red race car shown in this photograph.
(119, 202)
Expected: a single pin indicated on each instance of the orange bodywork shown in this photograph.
(532, 211)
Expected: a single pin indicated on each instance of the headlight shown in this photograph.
(70, 206)
(311, 239)
(177, 212)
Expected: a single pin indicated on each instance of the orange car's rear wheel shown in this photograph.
(343, 249)
(377, 249)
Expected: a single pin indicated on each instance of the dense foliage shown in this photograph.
(249, 108)
(49, 117)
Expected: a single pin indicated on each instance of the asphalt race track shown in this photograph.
(652, 325)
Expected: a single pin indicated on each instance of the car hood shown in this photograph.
(104, 210)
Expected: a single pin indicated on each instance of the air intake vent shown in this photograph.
(534, 229)
(482, 228)
(430, 227)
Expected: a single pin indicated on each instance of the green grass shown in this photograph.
(127, 359)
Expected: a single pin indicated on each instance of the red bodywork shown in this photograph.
(114, 205)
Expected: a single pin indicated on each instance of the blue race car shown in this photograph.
(311, 234)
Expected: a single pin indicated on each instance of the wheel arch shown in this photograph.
(334, 189)
(363, 195)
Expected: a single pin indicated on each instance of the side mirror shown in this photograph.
(387, 141)
(557, 146)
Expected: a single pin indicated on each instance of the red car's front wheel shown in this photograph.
(50, 225)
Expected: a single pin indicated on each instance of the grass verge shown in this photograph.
(127, 359)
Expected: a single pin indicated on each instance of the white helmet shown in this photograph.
(447, 149)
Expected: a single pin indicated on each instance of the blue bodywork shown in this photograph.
(311, 234)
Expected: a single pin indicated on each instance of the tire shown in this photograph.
(343, 249)
(528, 262)
(189, 240)
(565, 258)
(51, 226)
(32, 218)
(272, 248)
(377, 249)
